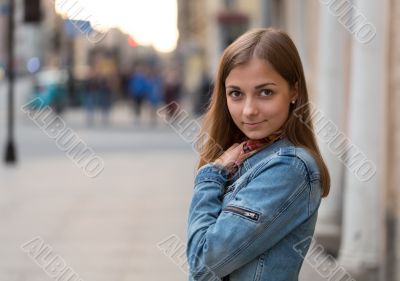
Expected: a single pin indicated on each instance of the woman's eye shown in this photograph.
(234, 94)
(266, 92)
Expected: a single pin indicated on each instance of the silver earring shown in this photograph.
(293, 101)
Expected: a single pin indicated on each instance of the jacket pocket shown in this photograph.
(249, 214)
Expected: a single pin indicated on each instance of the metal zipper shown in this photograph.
(228, 189)
(246, 213)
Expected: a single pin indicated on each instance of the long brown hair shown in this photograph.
(278, 49)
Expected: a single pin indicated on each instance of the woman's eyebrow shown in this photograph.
(264, 84)
(256, 87)
(233, 87)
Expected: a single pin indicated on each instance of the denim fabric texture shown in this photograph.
(257, 225)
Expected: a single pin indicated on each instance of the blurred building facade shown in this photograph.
(32, 40)
(351, 60)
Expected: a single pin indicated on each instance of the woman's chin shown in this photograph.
(256, 135)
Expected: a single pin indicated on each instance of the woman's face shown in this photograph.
(258, 98)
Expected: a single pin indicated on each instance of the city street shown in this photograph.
(101, 185)
(107, 227)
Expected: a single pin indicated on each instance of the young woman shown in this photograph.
(261, 175)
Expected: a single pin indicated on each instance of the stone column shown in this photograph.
(266, 13)
(393, 151)
(362, 235)
(331, 92)
(296, 13)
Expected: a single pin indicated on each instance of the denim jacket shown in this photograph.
(257, 225)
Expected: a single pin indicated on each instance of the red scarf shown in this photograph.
(252, 146)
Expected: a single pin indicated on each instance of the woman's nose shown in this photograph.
(250, 107)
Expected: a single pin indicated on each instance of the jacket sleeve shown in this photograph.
(271, 205)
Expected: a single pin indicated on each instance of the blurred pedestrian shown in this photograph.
(97, 96)
(172, 92)
(155, 97)
(203, 95)
(139, 89)
(99, 90)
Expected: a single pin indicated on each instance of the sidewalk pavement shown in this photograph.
(103, 228)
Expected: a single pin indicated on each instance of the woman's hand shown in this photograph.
(230, 155)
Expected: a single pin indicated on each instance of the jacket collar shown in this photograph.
(264, 153)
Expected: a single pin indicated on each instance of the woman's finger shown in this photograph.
(232, 146)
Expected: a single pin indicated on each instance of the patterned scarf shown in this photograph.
(252, 146)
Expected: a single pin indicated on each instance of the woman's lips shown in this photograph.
(252, 125)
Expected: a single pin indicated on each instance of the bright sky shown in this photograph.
(149, 22)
